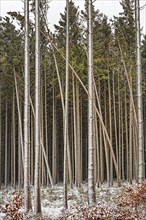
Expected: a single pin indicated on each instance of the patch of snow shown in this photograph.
(2, 215)
(52, 213)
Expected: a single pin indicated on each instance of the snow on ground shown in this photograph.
(52, 199)
(52, 213)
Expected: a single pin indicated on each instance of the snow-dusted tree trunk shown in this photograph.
(139, 93)
(37, 191)
(66, 106)
(27, 195)
(91, 185)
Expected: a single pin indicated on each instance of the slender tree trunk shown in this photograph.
(27, 194)
(119, 127)
(101, 144)
(65, 178)
(20, 164)
(78, 135)
(126, 137)
(42, 134)
(32, 149)
(130, 137)
(0, 139)
(81, 141)
(75, 131)
(94, 142)
(122, 145)
(37, 190)
(6, 144)
(111, 130)
(19, 119)
(115, 120)
(54, 152)
(91, 185)
(97, 151)
(139, 94)
(105, 141)
(13, 146)
(46, 127)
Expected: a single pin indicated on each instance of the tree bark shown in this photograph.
(27, 193)
(65, 178)
(139, 94)
(0, 139)
(37, 190)
(6, 144)
(91, 185)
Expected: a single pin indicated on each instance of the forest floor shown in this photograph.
(121, 203)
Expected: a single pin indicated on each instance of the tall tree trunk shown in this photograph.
(111, 130)
(37, 190)
(115, 120)
(20, 145)
(42, 133)
(32, 149)
(130, 137)
(119, 127)
(126, 137)
(54, 152)
(65, 178)
(78, 149)
(101, 143)
(13, 146)
(91, 185)
(27, 194)
(122, 144)
(19, 119)
(139, 94)
(46, 120)
(0, 139)
(105, 141)
(75, 131)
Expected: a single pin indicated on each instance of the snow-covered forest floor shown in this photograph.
(125, 202)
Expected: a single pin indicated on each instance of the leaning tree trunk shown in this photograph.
(37, 190)
(91, 183)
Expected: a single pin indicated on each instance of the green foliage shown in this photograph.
(125, 29)
(11, 53)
